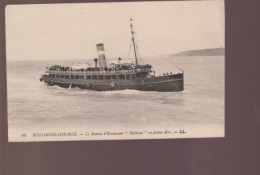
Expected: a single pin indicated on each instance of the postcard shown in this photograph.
(112, 71)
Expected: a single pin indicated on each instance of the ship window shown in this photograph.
(121, 76)
(107, 77)
(94, 77)
(128, 77)
(100, 77)
(67, 76)
(81, 77)
(72, 77)
(143, 75)
(114, 77)
(88, 77)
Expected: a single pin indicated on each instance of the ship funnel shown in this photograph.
(101, 55)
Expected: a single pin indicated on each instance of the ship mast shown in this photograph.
(133, 40)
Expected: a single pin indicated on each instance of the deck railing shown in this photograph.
(80, 72)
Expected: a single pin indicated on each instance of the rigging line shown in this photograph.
(163, 57)
(138, 53)
(129, 51)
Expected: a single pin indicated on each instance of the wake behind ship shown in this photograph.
(114, 76)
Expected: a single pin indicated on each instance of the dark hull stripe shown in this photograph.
(93, 84)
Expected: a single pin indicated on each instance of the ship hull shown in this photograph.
(168, 83)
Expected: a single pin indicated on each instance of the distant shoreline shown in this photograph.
(201, 52)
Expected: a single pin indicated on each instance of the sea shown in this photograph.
(36, 110)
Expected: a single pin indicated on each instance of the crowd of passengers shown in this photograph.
(59, 68)
(131, 66)
(116, 67)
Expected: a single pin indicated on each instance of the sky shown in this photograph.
(71, 31)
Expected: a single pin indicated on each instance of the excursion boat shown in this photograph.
(114, 76)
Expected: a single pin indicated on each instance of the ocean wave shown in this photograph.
(125, 92)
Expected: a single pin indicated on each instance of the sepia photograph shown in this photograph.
(115, 71)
